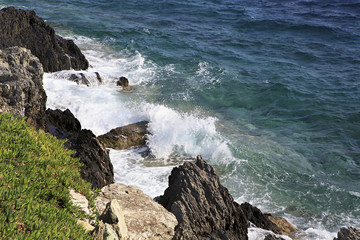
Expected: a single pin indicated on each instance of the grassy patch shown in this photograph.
(36, 173)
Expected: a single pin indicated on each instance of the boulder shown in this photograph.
(349, 233)
(21, 87)
(144, 218)
(97, 167)
(202, 206)
(124, 83)
(80, 201)
(114, 216)
(23, 28)
(132, 135)
(267, 221)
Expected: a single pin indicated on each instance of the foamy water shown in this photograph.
(176, 136)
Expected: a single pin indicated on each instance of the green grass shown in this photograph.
(36, 173)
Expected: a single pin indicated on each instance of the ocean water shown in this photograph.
(268, 91)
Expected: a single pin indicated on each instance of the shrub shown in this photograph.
(36, 173)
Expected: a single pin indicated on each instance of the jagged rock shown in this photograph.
(23, 28)
(98, 233)
(124, 83)
(97, 167)
(80, 79)
(132, 135)
(272, 237)
(349, 233)
(144, 218)
(202, 206)
(285, 227)
(266, 221)
(114, 216)
(21, 87)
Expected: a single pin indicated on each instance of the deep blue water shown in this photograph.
(281, 77)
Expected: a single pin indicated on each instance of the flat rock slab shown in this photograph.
(132, 135)
(144, 218)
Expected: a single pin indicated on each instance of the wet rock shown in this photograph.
(144, 218)
(132, 135)
(349, 233)
(266, 221)
(124, 83)
(202, 206)
(272, 237)
(98, 77)
(21, 87)
(80, 79)
(23, 28)
(97, 168)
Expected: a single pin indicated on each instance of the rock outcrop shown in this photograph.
(132, 135)
(202, 206)
(267, 221)
(144, 218)
(349, 233)
(21, 87)
(112, 225)
(124, 83)
(97, 168)
(23, 28)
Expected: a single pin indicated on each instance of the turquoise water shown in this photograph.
(280, 79)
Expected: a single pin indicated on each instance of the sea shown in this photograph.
(267, 91)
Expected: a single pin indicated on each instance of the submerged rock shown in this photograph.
(21, 87)
(124, 83)
(97, 167)
(132, 135)
(80, 79)
(202, 206)
(23, 28)
(349, 233)
(144, 218)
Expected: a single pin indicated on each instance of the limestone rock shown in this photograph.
(124, 83)
(23, 28)
(86, 225)
(21, 87)
(98, 233)
(349, 233)
(266, 221)
(144, 218)
(80, 201)
(114, 216)
(97, 167)
(132, 135)
(202, 206)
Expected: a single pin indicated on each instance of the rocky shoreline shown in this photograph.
(194, 206)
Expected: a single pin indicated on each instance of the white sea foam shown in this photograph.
(102, 107)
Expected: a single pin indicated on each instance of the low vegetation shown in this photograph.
(36, 173)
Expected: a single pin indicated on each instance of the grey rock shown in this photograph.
(23, 28)
(202, 206)
(144, 218)
(114, 216)
(349, 233)
(21, 87)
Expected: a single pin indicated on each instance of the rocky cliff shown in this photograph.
(21, 88)
(25, 29)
